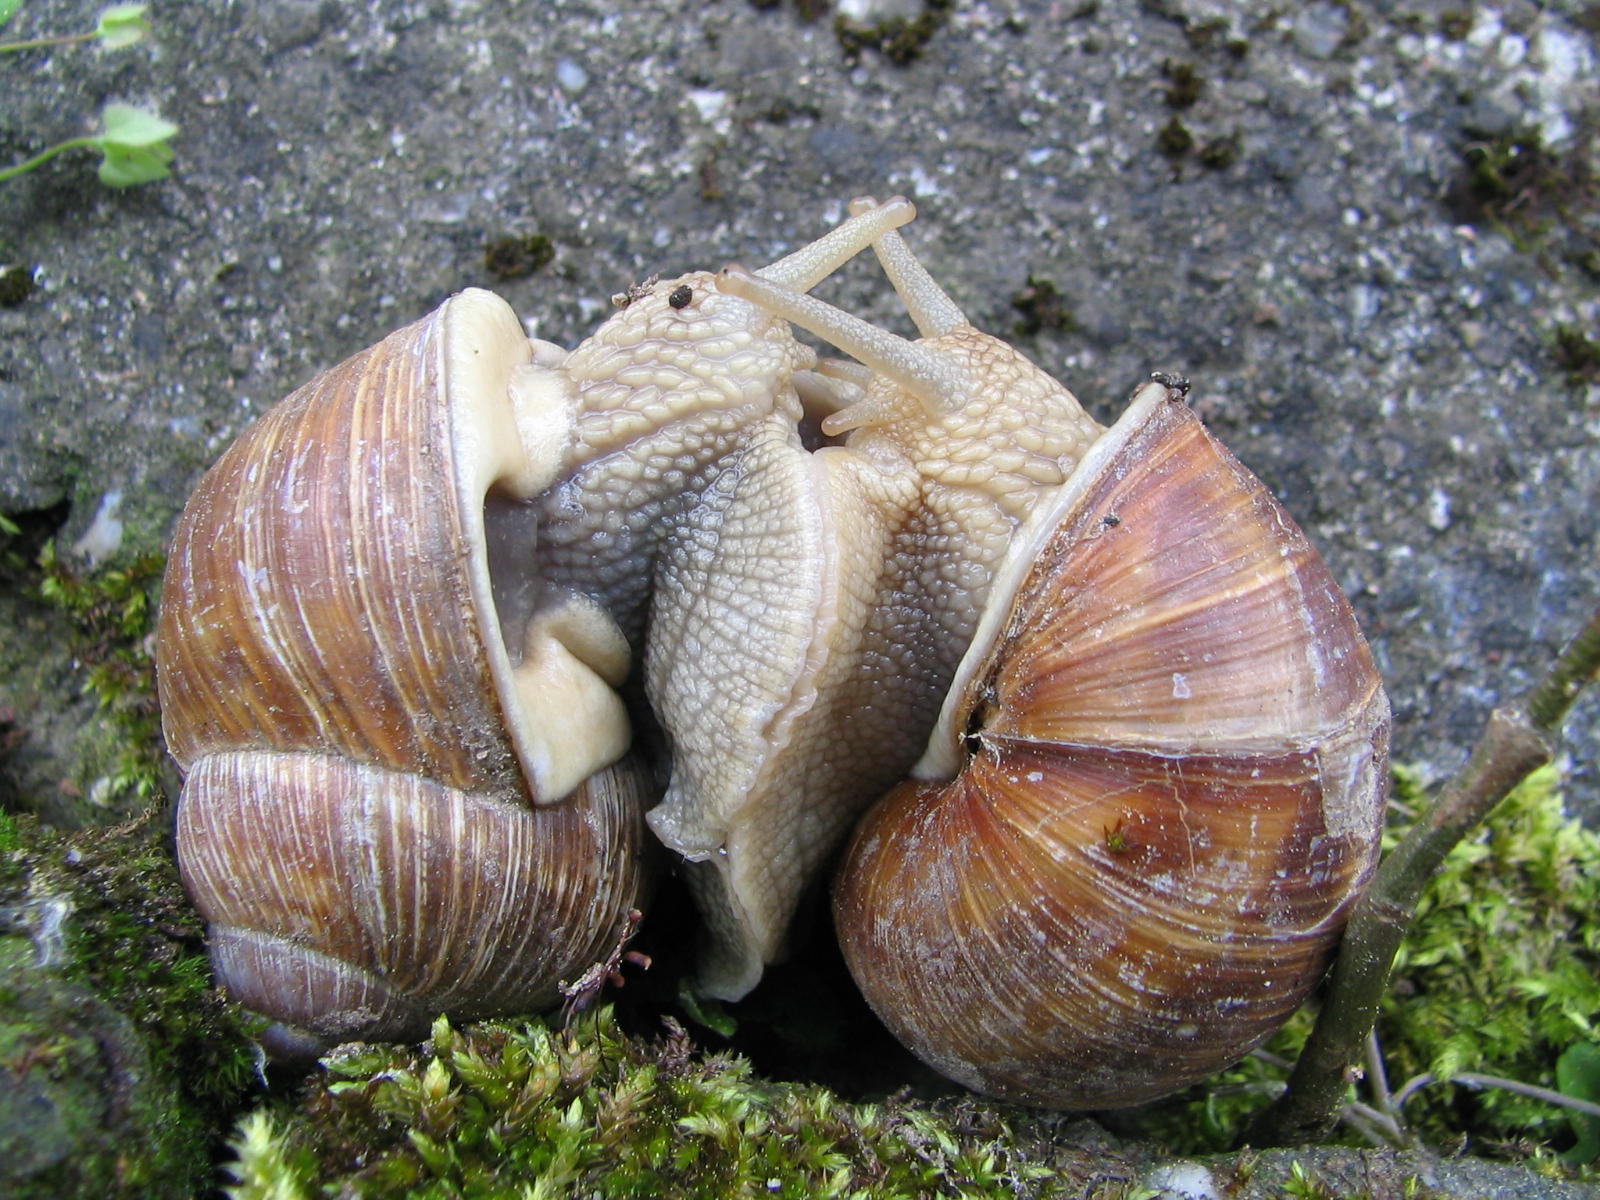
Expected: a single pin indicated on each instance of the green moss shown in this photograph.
(1502, 971)
(1578, 355)
(501, 1109)
(1219, 152)
(1042, 307)
(122, 1058)
(1184, 83)
(513, 257)
(1174, 139)
(16, 284)
(1531, 193)
(111, 614)
(899, 39)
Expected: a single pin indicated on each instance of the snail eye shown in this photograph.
(681, 295)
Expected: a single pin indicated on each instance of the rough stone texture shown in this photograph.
(1388, 370)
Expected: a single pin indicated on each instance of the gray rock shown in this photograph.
(341, 168)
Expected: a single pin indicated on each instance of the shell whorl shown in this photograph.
(374, 900)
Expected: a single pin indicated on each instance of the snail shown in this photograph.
(408, 785)
(1155, 783)
(1141, 737)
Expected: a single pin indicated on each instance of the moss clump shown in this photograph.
(500, 1109)
(1042, 307)
(1502, 971)
(1219, 152)
(121, 1058)
(16, 284)
(1578, 355)
(1538, 197)
(1174, 139)
(899, 39)
(110, 615)
(1184, 83)
(513, 257)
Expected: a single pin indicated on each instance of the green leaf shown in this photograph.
(135, 128)
(1578, 1076)
(135, 146)
(120, 25)
(707, 1012)
(8, 9)
(124, 166)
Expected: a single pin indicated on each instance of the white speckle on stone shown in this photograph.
(104, 535)
(871, 12)
(1181, 1181)
(710, 103)
(1319, 29)
(1565, 64)
(1439, 509)
(1485, 28)
(1365, 302)
(572, 78)
(1566, 57)
(923, 183)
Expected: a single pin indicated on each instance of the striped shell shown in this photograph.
(1152, 795)
(374, 748)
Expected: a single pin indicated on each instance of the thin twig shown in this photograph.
(1369, 1123)
(1476, 1079)
(1377, 1077)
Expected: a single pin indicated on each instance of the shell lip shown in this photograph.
(945, 753)
(550, 687)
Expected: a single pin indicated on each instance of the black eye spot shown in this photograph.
(681, 295)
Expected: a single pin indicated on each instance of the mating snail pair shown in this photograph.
(1141, 740)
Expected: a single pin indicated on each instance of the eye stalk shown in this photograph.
(937, 382)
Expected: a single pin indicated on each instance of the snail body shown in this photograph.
(1128, 741)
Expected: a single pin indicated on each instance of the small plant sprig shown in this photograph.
(132, 141)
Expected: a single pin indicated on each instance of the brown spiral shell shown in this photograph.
(364, 736)
(1154, 791)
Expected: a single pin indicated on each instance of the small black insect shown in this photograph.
(681, 295)
(1177, 383)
